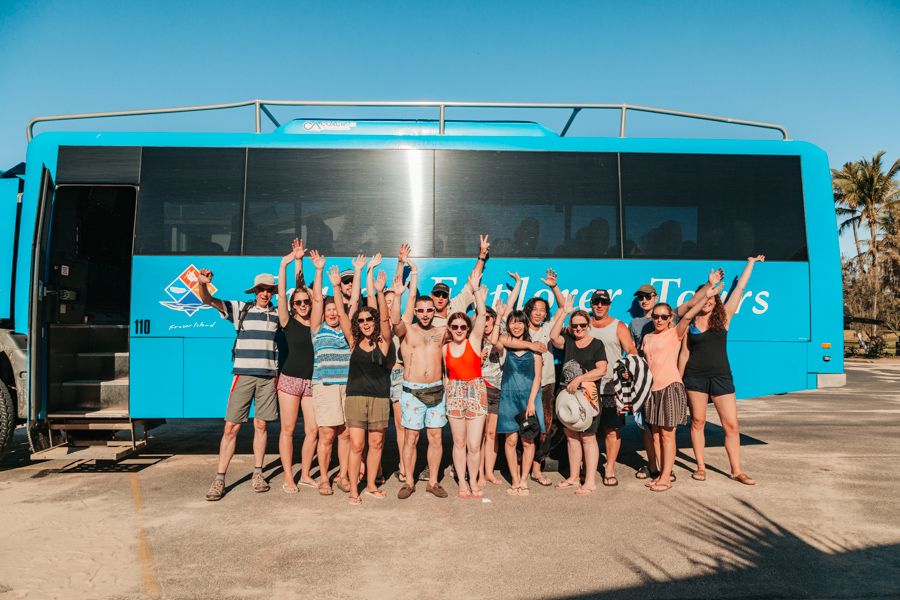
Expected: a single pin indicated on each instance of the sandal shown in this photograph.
(464, 493)
(583, 491)
(542, 481)
(642, 473)
(325, 489)
(478, 493)
(660, 487)
(610, 481)
(564, 484)
(311, 484)
(355, 500)
(289, 490)
(375, 494)
(343, 485)
(743, 478)
(513, 491)
(523, 490)
(699, 475)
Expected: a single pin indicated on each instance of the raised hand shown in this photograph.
(569, 304)
(375, 261)
(550, 279)
(485, 246)
(499, 306)
(398, 287)
(757, 258)
(714, 290)
(715, 276)
(515, 276)
(334, 276)
(403, 253)
(318, 260)
(481, 294)
(287, 258)
(412, 265)
(297, 249)
(380, 281)
(359, 262)
(204, 276)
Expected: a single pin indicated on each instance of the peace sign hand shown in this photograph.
(484, 246)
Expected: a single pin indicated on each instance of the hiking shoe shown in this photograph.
(405, 492)
(437, 490)
(216, 490)
(425, 475)
(259, 483)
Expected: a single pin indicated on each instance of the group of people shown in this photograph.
(353, 359)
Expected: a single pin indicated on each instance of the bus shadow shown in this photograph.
(742, 553)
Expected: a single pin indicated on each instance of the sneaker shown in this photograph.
(436, 490)
(405, 492)
(425, 475)
(259, 483)
(216, 490)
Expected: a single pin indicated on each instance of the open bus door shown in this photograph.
(79, 337)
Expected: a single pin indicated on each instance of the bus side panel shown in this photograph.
(157, 378)
(754, 373)
(208, 379)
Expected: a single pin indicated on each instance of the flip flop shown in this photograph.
(699, 475)
(642, 473)
(344, 487)
(524, 491)
(512, 491)
(542, 481)
(743, 478)
(288, 490)
(583, 491)
(464, 494)
(311, 484)
(660, 487)
(325, 490)
(478, 493)
(564, 484)
(355, 500)
(614, 481)
(376, 494)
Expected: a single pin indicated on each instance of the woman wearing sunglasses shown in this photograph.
(466, 394)
(589, 354)
(367, 406)
(667, 406)
(295, 378)
(707, 373)
(520, 393)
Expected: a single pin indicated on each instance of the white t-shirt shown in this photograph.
(542, 335)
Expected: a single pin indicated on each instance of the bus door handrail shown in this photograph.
(261, 107)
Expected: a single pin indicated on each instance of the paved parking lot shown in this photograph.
(824, 522)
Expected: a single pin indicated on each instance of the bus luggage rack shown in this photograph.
(261, 107)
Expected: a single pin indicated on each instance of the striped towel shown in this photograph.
(632, 392)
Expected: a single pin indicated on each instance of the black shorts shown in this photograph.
(493, 398)
(717, 385)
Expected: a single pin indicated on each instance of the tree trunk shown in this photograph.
(856, 238)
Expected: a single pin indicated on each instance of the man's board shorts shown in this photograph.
(328, 401)
(252, 389)
(295, 386)
(415, 414)
(396, 384)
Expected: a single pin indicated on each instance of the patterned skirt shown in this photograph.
(667, 407)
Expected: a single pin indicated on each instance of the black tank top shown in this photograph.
(299, 361)
(709, 355)
(370, 372)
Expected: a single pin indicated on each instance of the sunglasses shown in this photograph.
(603, 302)
(369, 319)
(301, 302)
(645, 296)
(424, 310)
(660, 317)
(347, 280)
(579, 325)
(462, 327)
(440, 294)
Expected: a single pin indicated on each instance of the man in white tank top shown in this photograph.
(616, 341)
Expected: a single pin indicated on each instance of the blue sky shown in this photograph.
(828, 71)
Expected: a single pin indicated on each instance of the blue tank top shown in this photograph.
(332, 356)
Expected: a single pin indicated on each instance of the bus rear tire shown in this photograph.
(7, 420)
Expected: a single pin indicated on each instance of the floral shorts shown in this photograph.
(466, 398)
(295, 386)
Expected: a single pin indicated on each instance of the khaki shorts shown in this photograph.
(245, 389)
(367, 412)
(329, 404)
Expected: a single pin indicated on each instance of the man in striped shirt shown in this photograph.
(255, 368)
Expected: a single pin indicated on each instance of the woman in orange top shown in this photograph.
(667, 406)
(466, 394)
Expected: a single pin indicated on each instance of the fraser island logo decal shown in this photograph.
(184, 294)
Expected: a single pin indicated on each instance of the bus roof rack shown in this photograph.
(262, 107)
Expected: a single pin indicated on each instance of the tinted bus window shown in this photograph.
(98, 164)
(190, 201)
(539, 204)
(712, 206)
(340, 202)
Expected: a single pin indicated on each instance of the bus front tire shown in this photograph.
(7, 420)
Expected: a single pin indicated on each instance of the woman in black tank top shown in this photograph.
(295, 377)
(367, 406)
(707, 372)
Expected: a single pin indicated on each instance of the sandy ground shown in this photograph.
(824, 521)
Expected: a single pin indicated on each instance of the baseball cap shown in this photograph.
(441, 287)
(347, 273)
(646, 289)
(601, 296)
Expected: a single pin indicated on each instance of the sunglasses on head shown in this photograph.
(579, 325)
(301, 302)
(424, 310)
(440, 294)
(369, 319)
(645, 296)
(660, 317)
(459, 327)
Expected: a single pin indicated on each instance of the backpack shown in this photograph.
(240, 326)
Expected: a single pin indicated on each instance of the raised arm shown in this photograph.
(378, 291)
(283, 314)
(477, 334)
(359, 264)
(409, 309)
(550, 280)
(334, 276)
(556, 337)
(371, 302)
(484, 250)
(318, 302)
(737, 294)
(203, 278)
(695, 305)
(299, 251)
(513, 296)
(715, 276)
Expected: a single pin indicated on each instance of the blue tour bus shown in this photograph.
(102, 236)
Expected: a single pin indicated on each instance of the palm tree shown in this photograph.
(869, 196)
(846, 204)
